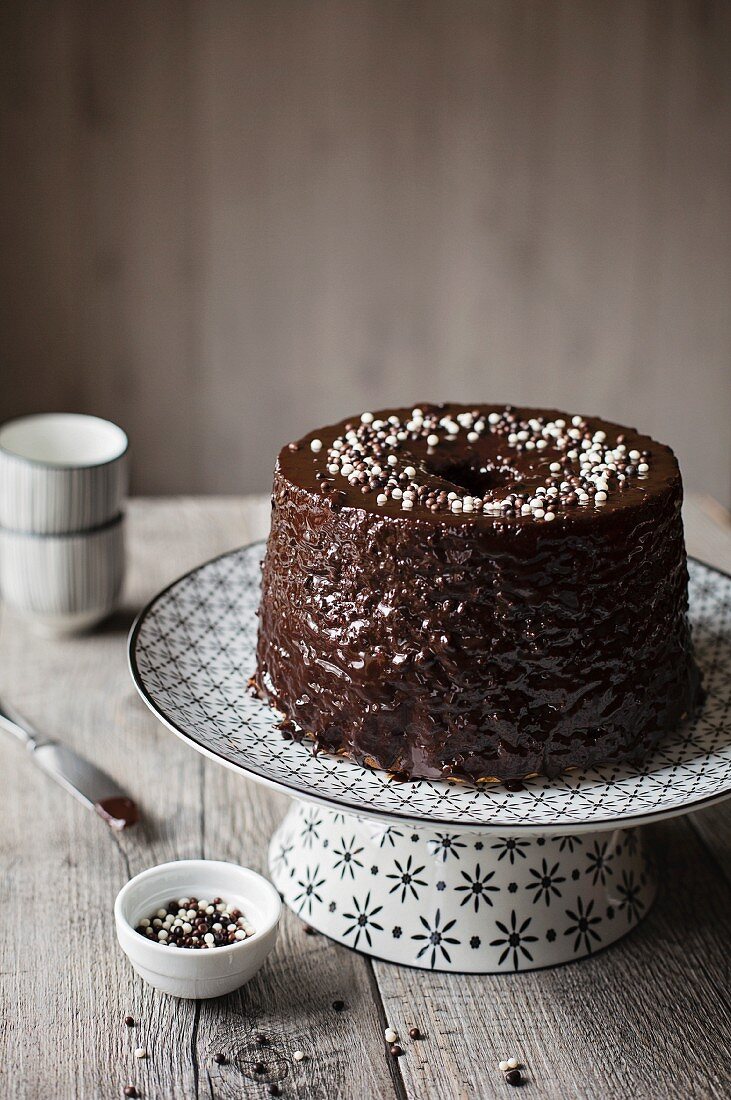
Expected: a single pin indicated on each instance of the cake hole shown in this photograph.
(475, 480)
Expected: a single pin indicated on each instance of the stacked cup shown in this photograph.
(63, 480)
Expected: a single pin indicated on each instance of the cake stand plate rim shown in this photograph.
(559, 826)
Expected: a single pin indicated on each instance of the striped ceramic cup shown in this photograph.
(61, 473)
(63, 583)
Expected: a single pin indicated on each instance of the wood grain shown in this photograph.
(648, 1018)
(224, 222)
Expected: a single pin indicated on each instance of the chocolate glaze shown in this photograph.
(117, 811)
(476, 646)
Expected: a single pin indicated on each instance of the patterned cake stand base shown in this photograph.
(465, 902)
(434, 874)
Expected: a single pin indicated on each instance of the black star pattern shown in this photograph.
(309, 886)
(443, 846)
(514, 939)
(436, 938)
(511, 847)
(630, 894)
(477, 888)
(545, 884)
(582, 927)
(347, 859)
(599, 862)
(407, 879)
(362, 920)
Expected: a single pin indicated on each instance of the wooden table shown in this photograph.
(647, 1018)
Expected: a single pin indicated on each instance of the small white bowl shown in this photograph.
(61, 473)
(63, 583)
(186, 972)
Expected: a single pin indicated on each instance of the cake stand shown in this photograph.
(434, 874)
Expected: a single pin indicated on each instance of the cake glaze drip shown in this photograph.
(486, 645)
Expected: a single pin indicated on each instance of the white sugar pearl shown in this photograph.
(183, 902)
(576, 421)
(549, 516)
(643, 468)
(187, 928)
(209, 938)
(157, 923)
(541, 444)
(366, 418)
(503, 1066)
(467, 508)
(600, 497)
(472, 437)
(407, 504)
(162, 934)
(468, 500)
(381, 498)
(144, 923)
(538, 513)
(456, 505)
(316, 445)
(599, 437)
(162, 913)
(529, 445)
(392, 460)
(555, 467)
(526, 510)
(397, 493)
(190, 914)
(634, 455)
(333, 468)
(390, 1035)
(432, 440)
(345, 469)
(141, 1052)
(299, 1056)
(513, 1063)
(239, 934)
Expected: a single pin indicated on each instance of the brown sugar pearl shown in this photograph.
(414, 1033)
(220, 1058)
(129, 1021)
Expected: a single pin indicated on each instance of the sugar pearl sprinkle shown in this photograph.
(196, 923)
(580, 466)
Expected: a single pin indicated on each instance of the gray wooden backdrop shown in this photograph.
(225, 221)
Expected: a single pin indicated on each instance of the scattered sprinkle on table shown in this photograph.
(141, 1052)
(197, 924)
(395, 1051)
(274, 1089)
(299, 1056)
(259, 1067)
(338, 1005)
(390, 1035)
(261, 1039)
(219, 1058)
(130, 1021)
(131, 1091)
(414, 1033)
(514, 1077)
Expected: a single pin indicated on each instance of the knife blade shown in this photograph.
(88, 784)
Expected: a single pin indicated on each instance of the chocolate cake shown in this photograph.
(477, 593)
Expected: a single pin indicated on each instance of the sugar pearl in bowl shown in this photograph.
(190, 949)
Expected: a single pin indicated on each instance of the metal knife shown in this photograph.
(87, 783)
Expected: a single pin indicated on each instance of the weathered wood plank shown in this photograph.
(71, 991)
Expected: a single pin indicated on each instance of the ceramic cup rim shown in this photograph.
(69, 467)
(80, 534)
(197, 958)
